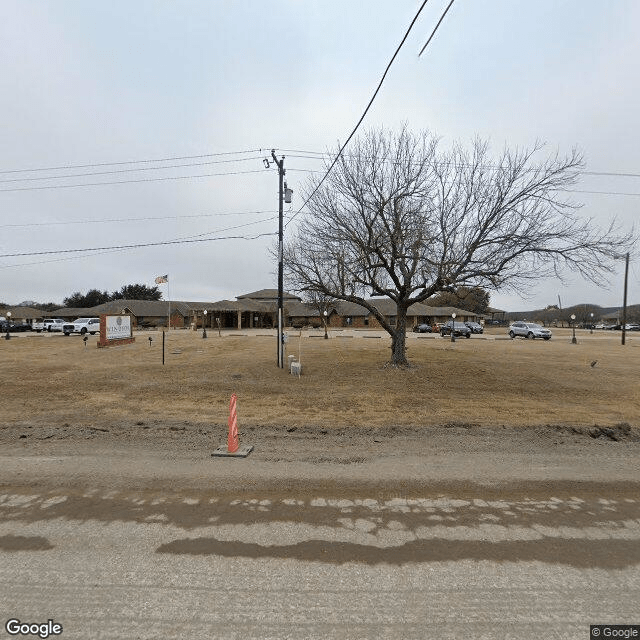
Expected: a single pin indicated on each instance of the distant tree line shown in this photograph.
(94, 297)
(554, 316)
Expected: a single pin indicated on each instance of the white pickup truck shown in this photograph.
(82, 326)
(48, 324)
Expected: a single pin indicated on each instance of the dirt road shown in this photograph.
(376, 503)
(445, 532)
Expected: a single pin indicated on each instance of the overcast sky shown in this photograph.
(100, 84)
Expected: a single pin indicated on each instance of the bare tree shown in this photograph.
(323, 304)
(399, 218)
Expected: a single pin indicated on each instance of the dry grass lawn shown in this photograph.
(51, 379)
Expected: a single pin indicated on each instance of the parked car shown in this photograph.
(529, 330)
(632, 327)
(458, 328)
(422, 328)
(54, 324)
(46, 324)
(82, 326)
(14, 326)
(475, 327)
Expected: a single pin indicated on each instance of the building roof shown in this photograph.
(240, 305)
(299, 309)
(443, 312)
(387, 307)
(264, 304)
(24, 312)
(268, 294)
(72, 312)
(136, 307)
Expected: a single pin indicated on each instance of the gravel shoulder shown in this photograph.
(388, 461)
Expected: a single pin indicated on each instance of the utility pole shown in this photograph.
(281, 172)
(624, 305)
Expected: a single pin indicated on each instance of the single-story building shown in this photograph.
(492, 315)
(143, 313)
(259, 309)
(24, 315)
(349, 314)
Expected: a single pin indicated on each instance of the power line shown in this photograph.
(321, 155)
(97, 252)
(610, 173)
(373, 97)
(236, 226)
(123, 162)
(36, 262)
(130, 170)
(102, 250)
(604, 193)
(135, 246)
(172, 241)
(433, 33)
(145, 219)
(95, 184)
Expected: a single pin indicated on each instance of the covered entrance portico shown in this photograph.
(245, 314)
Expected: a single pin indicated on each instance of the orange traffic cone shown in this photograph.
(232, 440)
(233, 448)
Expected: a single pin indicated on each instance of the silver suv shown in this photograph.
(529, 330)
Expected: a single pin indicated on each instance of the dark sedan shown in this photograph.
(475, 327)
(422, 328)
(458, 328)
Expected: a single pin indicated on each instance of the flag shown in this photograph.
(162, 279)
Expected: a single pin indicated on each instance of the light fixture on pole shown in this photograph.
(453, 326)
(591, 325)
(287, 194)
(204, 324)
(573, 326)
(326, 336)
(8, 337)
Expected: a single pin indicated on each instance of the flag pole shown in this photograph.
(165, 280)
(169, 296)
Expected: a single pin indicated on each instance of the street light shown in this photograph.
(326, 337)
(8, 337)
(204, 324)
(573, 326)
(453, 325)
(591, 314)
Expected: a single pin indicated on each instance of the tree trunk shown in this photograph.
(399, 339)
